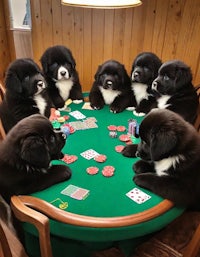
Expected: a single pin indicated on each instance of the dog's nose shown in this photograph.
(136, 74)
(154, 85)
(63, 73)
(109, 83)
(41, 84)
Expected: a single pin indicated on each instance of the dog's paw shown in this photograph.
(138, 114)
(96, 106)
(141, 180)
(116, 109)
(130, 150)
(62, 172)
(141, 167)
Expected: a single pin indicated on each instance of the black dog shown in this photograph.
(61, 76)
(25, 93)
(112, 86)
(170, 153)
(144, 70)
(175, 90)
(25, 156)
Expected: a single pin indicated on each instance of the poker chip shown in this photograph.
(92, 170)
(69, 158)
(124, 137)
(100, 158)
(108, 171)
(112, 127)
(121, 128)
(119, 148)
(61, 119)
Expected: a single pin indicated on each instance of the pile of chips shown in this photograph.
(108, 171)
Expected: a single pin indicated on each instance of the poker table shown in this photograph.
(105, 215)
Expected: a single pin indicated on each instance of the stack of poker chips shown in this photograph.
(133, 128)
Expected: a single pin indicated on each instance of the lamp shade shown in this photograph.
(102, 4)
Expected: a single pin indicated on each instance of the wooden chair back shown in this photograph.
(2, 93)
(197, 122)
(37, 212)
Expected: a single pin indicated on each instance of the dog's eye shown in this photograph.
(52, 139)
(26, 79)
(166, 77)
(53, 66)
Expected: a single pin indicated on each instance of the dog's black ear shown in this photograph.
(44, 63)
(13, 83)
(162, 142)
(183, 74)
(96, 76)
(35, 151)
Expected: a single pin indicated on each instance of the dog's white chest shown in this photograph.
(162, 166)
(64, 87)
(41, 103)
(109, 95)
(162, 101)
(140, 91)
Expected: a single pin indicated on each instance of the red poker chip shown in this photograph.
(129, 142)
(107, 173)
(69, 158)
(119, 148)
(92, 170)
(100, 158)
(124, 137)
(121, 128)
(109, 168)
(112, 127)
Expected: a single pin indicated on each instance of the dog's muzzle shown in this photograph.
(63, 73)
(154, 85)
(108, 84)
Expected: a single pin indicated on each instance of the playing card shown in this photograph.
(89, 154)
(87, 106)
(75, 192)
(80, 194)
(138, 196)
(78, 115)
(69, 190)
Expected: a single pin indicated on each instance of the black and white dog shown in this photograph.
(25, 93)
(59, 68)
(175, 90)
(170, 158)
(25, 156)
(144, 70)
(112, 86)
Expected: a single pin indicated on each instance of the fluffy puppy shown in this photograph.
(112, 86)
(170, 163)
(25, 93)
(144, 70)
(25, 156)
(175, 90)
(62, 78)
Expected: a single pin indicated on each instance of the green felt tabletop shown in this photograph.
(107, 195)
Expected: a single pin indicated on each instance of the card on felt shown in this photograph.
(75, 192)
(138, 196)
(89, 154)
(78, 115)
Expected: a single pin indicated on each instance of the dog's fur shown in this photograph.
(144, 70)
(170, 158)
(112, 86)
(59, 68)
(175, 90)
(25, 93)
(25, 156)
